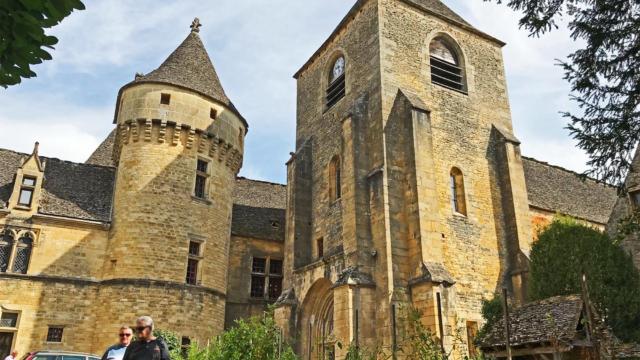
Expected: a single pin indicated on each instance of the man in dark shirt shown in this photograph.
(147, 347)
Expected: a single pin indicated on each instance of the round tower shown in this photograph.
(178, 149)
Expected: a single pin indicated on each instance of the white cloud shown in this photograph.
(256, 47)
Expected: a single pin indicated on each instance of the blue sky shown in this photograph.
(256, 46)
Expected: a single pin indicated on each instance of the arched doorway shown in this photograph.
(317, 340)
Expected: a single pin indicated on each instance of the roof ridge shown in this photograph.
(260, 181)
(569, 171)
(58, 159)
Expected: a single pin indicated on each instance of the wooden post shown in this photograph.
(440, 321)
(587, 306)
(507, 326)
(394, 344)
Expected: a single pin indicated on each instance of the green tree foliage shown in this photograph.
(172, 341)
(492, 311)
(604, 75)
(22, 34)
(566, 249)
(257, 338)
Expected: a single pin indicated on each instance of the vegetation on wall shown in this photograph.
(23, 37)
(565, 250)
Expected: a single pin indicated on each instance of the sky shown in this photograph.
(256, 47)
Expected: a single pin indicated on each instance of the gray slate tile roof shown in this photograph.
(259, 209)
(531, 323)
(72, 190)
(103, 155)
(556, 189)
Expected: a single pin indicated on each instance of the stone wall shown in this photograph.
(241, 254)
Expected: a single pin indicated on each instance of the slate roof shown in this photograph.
(72, 190)
(559, 190)
(259, 209)
(190, 67)
(103, 155)
(531, 323)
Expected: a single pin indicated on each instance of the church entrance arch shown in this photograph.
(316, 323)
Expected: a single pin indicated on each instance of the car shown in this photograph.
(59, 355)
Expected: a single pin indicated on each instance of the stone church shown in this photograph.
(406, 189)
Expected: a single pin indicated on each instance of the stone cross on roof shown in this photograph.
(195, 25)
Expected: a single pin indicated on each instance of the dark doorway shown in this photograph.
(6, 341)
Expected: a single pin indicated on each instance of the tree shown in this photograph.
(566, 249)
(604, 75)
(22, 35)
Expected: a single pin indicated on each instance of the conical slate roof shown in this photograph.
(189, 66)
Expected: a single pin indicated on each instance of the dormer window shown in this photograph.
(446, 65)
(337, 88)
(26, 191)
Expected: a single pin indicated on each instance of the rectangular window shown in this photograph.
(275, 288)
(213, 114)
(26, 191)
(266, 274)
(54, 334)
(202, 174)
(259, 266)
(165, 99)
(257, 286)
(9, 320)
(193, 262)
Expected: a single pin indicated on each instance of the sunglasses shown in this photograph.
(125, 335)
(141, 328)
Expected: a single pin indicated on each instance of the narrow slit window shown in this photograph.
(337, 83)
(202, 176)
(458, 201)
(6, 247)
(26, 191)
(193, 262)
(335, 182)
(165, 99)
(320, 247)
(23, 254)
(446, 67)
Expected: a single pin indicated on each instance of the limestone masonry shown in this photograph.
(406, 188)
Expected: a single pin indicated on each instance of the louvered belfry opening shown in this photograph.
(337, 83)
(446, 70)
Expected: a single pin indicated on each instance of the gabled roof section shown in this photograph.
(103, 155)
(539, 322)
(259, 209)
(555, 189)
(71, 190)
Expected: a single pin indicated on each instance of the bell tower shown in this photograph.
(178, 149)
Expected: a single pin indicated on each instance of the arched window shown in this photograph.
(6, 245)
(446, 65)
(458, 201)
(23, 254)
(335, 184)
(336, 89)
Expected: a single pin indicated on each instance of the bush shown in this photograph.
(566, 249)
(257, 338)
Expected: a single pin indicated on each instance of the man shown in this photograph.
(116, 352)
(12, 356)
(147, 347)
